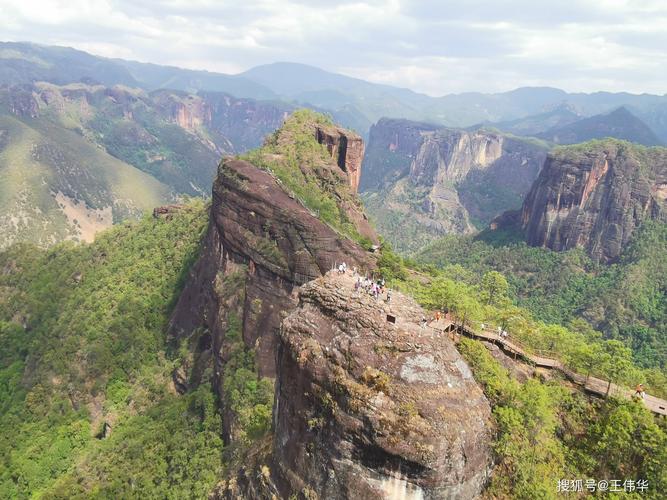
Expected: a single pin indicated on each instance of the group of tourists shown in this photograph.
(501, 333)
(376, 288)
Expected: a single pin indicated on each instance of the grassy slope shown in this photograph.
(40, 158)
(307, 171)
(83, 335)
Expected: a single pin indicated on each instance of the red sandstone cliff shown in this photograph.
(364, 407)
(346, 148)
(594, 196)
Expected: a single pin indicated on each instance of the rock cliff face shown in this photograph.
(594, 196)
(256, 226)
(370, 408)
(421, 182)
(367, 404)
(346, 148)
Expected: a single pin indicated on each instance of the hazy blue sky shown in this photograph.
(431, 46)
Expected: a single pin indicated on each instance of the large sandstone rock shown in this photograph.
(368, 408)
(594, 196)
(256, 224)
(346, 148)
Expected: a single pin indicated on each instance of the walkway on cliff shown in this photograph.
(590, 384)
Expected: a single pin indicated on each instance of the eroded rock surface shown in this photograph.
(346, 148)
(421, 182)
(594, 196)
(280, 245)
(369, 408)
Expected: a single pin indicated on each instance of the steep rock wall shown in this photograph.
(594, 196)
(256, 224)
(346, 149)
(369, 408)
(429, 182)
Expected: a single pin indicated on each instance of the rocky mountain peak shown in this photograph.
(279, 218)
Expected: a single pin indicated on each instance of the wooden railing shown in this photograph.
(589, 383)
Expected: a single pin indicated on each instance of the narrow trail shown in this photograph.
(590, 384)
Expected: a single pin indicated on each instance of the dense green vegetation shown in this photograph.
(305, 169)
(489, 300)
(87, 404)
(546, 433)
(249, 397)
(179, 159)
(625, 301)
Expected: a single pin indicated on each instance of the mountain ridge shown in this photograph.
(362, 103)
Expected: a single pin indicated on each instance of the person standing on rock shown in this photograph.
(388, 295)
(639, 391)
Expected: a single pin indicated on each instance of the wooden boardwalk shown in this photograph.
(590, 384)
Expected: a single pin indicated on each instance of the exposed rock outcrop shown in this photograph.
(367, 403)
(346, 148)
(256, 224)
(368, 408)
(422, 182)
(594, 196)
(21, 102)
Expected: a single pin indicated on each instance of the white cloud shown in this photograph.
(433, 46)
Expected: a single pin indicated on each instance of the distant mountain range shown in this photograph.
(620, 124)
(86, 141)
(355, 103)
(76, 158)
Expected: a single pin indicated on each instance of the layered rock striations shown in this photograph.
(425, 182)
(369, 404)
(346, 148)
(594, 196)
(258, 229)
(262, 243)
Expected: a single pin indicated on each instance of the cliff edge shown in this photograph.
(369, 404)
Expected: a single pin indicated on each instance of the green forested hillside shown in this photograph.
(546, 428)
(56, 185)
(626, 301)
(87, 405)
(76, 158)
(548, 433)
